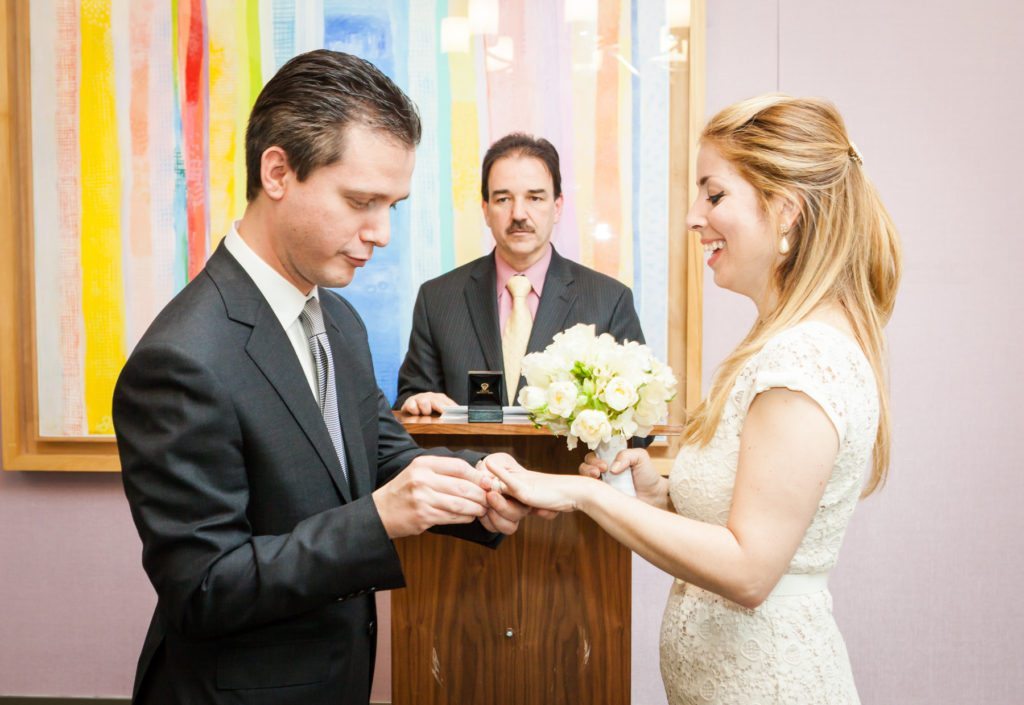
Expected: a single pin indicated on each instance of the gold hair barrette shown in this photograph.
(855, 154)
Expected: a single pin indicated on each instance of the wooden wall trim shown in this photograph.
(23, 448)
(686, 256)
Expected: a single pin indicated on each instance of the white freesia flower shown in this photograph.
(592, 427)
(532, 398)
(624, 425)
(561, 398)
(619, 393)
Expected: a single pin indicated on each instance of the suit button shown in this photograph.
(371, 628)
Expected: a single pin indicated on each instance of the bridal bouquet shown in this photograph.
(589, 388)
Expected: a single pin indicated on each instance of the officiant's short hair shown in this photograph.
(306, 106)
(520, 144)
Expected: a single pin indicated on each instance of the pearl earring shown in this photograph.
(784, 242)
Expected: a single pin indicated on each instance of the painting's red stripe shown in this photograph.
(194, 127)
(607, 198)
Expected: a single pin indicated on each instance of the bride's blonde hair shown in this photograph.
(843, 245)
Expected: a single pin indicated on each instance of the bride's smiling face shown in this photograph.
(733, 227)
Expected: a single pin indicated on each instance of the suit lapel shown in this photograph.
(482, 302)
(348, 408)
(556, 304)
(272, 352)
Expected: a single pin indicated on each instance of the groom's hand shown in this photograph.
(505, 512)
(431, 490)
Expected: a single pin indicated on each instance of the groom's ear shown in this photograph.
(275, 173)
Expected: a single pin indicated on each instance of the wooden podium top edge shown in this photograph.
(434, 426)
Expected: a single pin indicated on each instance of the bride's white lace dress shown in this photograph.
(788, 650)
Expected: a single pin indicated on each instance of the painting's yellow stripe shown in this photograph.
(102, 283)
(253, 84)
(228, 78)
(465, 157)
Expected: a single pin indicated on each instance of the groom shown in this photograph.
(265, 472)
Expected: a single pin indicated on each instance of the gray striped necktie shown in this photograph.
(312, 319)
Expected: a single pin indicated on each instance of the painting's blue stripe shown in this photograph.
(371, 30)
(444, 152)
(284, 31)
(179, 206)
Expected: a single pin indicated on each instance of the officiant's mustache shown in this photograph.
(519, 226)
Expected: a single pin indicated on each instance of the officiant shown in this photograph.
(489, 313)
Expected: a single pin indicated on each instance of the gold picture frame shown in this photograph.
(23, 448)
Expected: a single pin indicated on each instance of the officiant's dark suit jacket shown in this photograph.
(264, 558)
(455, 322)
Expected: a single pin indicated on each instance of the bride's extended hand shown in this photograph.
(542, 491)
(650, 486)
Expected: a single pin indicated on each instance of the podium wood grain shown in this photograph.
(543, 619)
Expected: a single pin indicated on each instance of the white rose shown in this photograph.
(532, 398)
(619, 394)
(580, 336)
(592, 427)
(561, 398)
(631, 361)
(541, 369)
(647, 414)
(654, 393)
(665, 377)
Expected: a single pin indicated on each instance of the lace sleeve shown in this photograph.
(805, 360)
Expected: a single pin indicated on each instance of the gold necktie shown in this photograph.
(516, 334)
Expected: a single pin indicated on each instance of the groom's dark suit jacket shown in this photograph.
(455, 322)
(264, 558)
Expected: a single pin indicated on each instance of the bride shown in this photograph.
(752, 516)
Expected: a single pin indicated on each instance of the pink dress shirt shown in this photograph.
(535, 273)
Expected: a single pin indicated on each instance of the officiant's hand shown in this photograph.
(650, 486)
(427, 403)
(545, 493)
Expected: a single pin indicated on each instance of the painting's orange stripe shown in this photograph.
(68, 193)
(140, 231)
(607, 201)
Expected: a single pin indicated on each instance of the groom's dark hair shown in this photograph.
(305, 108)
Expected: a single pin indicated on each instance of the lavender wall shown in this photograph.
(74, 602)
(926, 587)
(926, 591)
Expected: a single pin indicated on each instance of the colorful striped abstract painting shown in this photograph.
(139, 110)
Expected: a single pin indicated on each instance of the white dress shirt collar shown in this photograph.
(285, 300)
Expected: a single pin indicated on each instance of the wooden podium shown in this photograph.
(544, 619)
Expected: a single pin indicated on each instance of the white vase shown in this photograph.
(607, 451)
